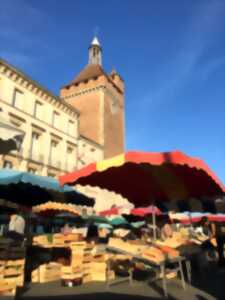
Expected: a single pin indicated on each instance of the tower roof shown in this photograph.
(95, 42)
(90, 71)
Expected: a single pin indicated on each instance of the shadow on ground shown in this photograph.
(207, 284)
(211, 280)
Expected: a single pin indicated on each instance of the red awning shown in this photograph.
(143, 211)
(109, 212)
(143, 177)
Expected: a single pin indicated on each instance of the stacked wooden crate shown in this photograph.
(71, 238)
(41, 240)
(72, 274)
(58, 240)
(13, 272)
(86, 265)
(47, 273)
(98, 268)
(87, 260)
(6, 289)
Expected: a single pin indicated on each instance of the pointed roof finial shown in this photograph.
(113, 72)
(95, 42)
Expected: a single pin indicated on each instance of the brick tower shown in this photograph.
(100, 99)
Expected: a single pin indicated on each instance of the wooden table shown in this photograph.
(161, 266)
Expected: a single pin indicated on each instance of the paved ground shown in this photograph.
(209, 284)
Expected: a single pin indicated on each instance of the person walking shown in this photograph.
(215, 230)
(16, 228)
(220, 240)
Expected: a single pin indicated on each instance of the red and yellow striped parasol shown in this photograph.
(143, 177)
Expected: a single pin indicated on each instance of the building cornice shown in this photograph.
(85, 91)
(24, 80)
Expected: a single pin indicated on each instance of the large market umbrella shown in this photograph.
(150, 210)
(54, 208)
(118, 221)
(96, 220)
(145, 177)
(110, 212)
(144, 211)
(28, 189)
(187, 217)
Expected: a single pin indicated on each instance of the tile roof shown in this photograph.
(90, 71)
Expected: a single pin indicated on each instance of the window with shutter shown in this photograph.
(18, 98)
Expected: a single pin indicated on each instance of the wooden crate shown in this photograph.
(13, 272)
(98, 267)
(58, 239)
(35, 276)
(7, 289)
(81, 253)
(101, 257)
(99, 276)
(153, 254)
(103, 276)
(87, 278)
(47, 273)
(126, 246)
(41, 240)
(15, 280)
(72, 237)
(71, 273)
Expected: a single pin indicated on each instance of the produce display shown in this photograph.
(151, 253)
(56, 240)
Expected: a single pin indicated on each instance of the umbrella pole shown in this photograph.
(191, 224)
(154, 223)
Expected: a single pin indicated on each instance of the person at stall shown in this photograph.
(92, 234)
(217, 231)
(66, 229)
(16, 228)
(208, 229)
(146, 237)
(166, 229)
(103, 234)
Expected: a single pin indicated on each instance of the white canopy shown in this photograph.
(9, 132)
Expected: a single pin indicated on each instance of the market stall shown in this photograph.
(24, 190)
(153, 179)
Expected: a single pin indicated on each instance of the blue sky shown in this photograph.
(171, 54)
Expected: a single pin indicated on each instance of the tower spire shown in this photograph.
(95, 52)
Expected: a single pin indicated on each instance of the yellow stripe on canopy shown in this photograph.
(115, 161)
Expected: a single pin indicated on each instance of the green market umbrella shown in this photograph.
(138, 224)
(103, 225)
(117, 221)
(96, 220)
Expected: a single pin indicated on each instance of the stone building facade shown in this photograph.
(62, 134)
